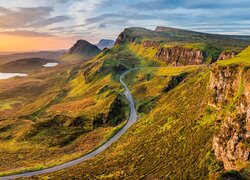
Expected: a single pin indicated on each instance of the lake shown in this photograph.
(10, 75)
(50, 64)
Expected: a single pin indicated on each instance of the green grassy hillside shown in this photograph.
(191, 117)
(172, 35)
(173, 139)
(59, 115)
(181, 47)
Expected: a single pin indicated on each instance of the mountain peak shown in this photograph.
(105, 43)
(82, 47)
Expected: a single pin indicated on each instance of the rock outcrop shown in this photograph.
(124, 37)
(227, 55)
(178, 55)
(147, 44)
(230, 141)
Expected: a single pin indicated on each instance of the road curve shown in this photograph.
(132, 119)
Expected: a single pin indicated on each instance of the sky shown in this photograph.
(29, 25)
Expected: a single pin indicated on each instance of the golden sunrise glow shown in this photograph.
(18, 43)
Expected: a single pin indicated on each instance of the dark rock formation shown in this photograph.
(114, 116)
(105, 43)
(175, 81)
(229, 143)
(84, 48)
(178, 55)
(124, 37)
(227, 55)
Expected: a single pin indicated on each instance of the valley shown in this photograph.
(184, 113)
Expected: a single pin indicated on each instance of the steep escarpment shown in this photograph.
(179, 55)
(227, 55)
(173, 54)
(231, 97)
(124, 37)
(180, 47)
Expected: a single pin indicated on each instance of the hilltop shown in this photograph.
(81, 50)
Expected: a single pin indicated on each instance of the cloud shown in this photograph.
(27, 17)
(26, 33)
(49, 21)
(115, 16)
(107, 18)
(188, 4)
(102, 26)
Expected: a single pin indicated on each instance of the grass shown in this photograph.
(171, 140)
(152, 147)
(241, 58)
(7, 104)
(60, 127)
(166, 141)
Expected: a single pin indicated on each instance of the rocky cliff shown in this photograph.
(227, 55)
(124, 37)
(180, 47)
(178, 55)
(231, 97)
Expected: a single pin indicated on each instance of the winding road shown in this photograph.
(132, 119)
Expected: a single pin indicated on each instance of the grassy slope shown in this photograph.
(47, 104)
(165, 142)
(242, 58)
(60, 115)
(173, 137)
(161, 140)
(179, 36)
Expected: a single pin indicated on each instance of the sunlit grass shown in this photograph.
(241, 58)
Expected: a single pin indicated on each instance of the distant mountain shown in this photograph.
(30, 65)
(81, 50)
(6, 53)
(105, 43)
(41, 54)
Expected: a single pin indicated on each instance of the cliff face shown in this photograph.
(124, 37)
(231, 89)
(175, 55)
(227, 55)
(179, 55)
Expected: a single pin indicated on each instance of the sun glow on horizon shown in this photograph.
(10, 43)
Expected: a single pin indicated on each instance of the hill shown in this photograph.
(181, 47)
(190, 118)
(41, 54)
(194, 119)
(81, 50)
(105, 43)
(31, 65)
